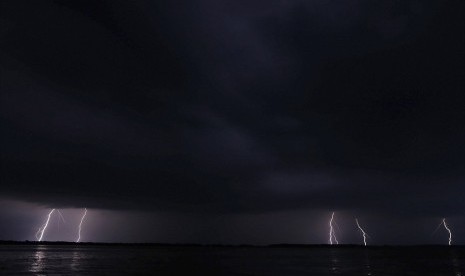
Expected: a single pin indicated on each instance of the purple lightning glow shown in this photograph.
(80, 225)
(332, 234)
(40, 233)
(448, 230)
(61, 216)
(363, 232)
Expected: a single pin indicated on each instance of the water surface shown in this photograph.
(171, 260)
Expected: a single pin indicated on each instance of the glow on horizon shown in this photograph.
(42, 229)
(80, 225)
(363, 232)
(331, 231)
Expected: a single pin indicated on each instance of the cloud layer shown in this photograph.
(234, 106)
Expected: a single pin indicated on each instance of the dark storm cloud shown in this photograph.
(234, 105)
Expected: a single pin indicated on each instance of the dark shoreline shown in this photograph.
(282, 245)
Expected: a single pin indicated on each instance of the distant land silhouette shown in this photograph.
(279, 245)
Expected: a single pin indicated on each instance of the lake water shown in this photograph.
(155, 260)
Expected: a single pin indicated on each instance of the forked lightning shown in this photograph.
(363, 232)
(448, 230)
(332, 234)
(80, 225)
(40, 233)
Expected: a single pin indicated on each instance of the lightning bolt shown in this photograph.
(437, 228)
(448, 230)
(40, 233)
(80, 225)
(363, 232)
(332, 234)
(61, 216)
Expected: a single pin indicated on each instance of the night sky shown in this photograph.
(237, 121)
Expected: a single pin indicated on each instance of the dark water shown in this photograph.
(146, 260)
